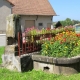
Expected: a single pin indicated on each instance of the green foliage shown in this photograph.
(59, 30)
(76, 50)
(1, 52)
(67, 22)
(75, 22)
(65, 44)
(56, 49)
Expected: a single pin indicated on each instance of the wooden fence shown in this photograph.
(31, 43)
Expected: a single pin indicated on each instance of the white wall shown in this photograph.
(45, 20)
(5, 10)
(38, 19)
(2, 39)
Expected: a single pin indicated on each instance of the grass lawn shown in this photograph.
(1, 52)
(32, 75)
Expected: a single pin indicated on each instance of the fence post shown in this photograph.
(19, 42)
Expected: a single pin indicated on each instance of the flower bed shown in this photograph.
(35, 31)
(33, 34)
(36, 36)
(60, 54)
(64, 44)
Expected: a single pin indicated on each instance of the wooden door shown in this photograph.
(29, 23)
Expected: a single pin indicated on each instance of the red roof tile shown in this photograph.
(13, 1)
(32, 7)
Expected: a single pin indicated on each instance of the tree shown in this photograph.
(58, 24)
(75, 22)
(66, 22)
(63, 23)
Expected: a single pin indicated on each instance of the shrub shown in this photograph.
(64, 44)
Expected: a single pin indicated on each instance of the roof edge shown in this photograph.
(52, 7)
(34, 15)
(10, 2)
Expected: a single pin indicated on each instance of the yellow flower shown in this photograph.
(63, 32)
(73, 41)
(46, 52)
(51, 42)
(45, 43)
(46, 46)
(66, 47)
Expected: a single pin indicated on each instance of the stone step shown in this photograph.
(11, 62)
(10, 49)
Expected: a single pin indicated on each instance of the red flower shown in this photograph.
(49, 38)
(48, 28)
(61, 42)
(64, 40)
(78, 35)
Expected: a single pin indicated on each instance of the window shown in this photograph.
(40, 24)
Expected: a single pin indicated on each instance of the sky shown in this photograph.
(66, 9)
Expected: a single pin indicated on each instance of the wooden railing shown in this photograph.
(31, 43)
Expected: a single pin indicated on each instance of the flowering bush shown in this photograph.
(31, 31)
(36, 31)
(33, 34)
(64, 44)
(59, 30)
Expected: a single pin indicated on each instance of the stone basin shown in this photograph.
(65, 66)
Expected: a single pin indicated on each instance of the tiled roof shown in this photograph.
(33, 7)
(13, 1)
